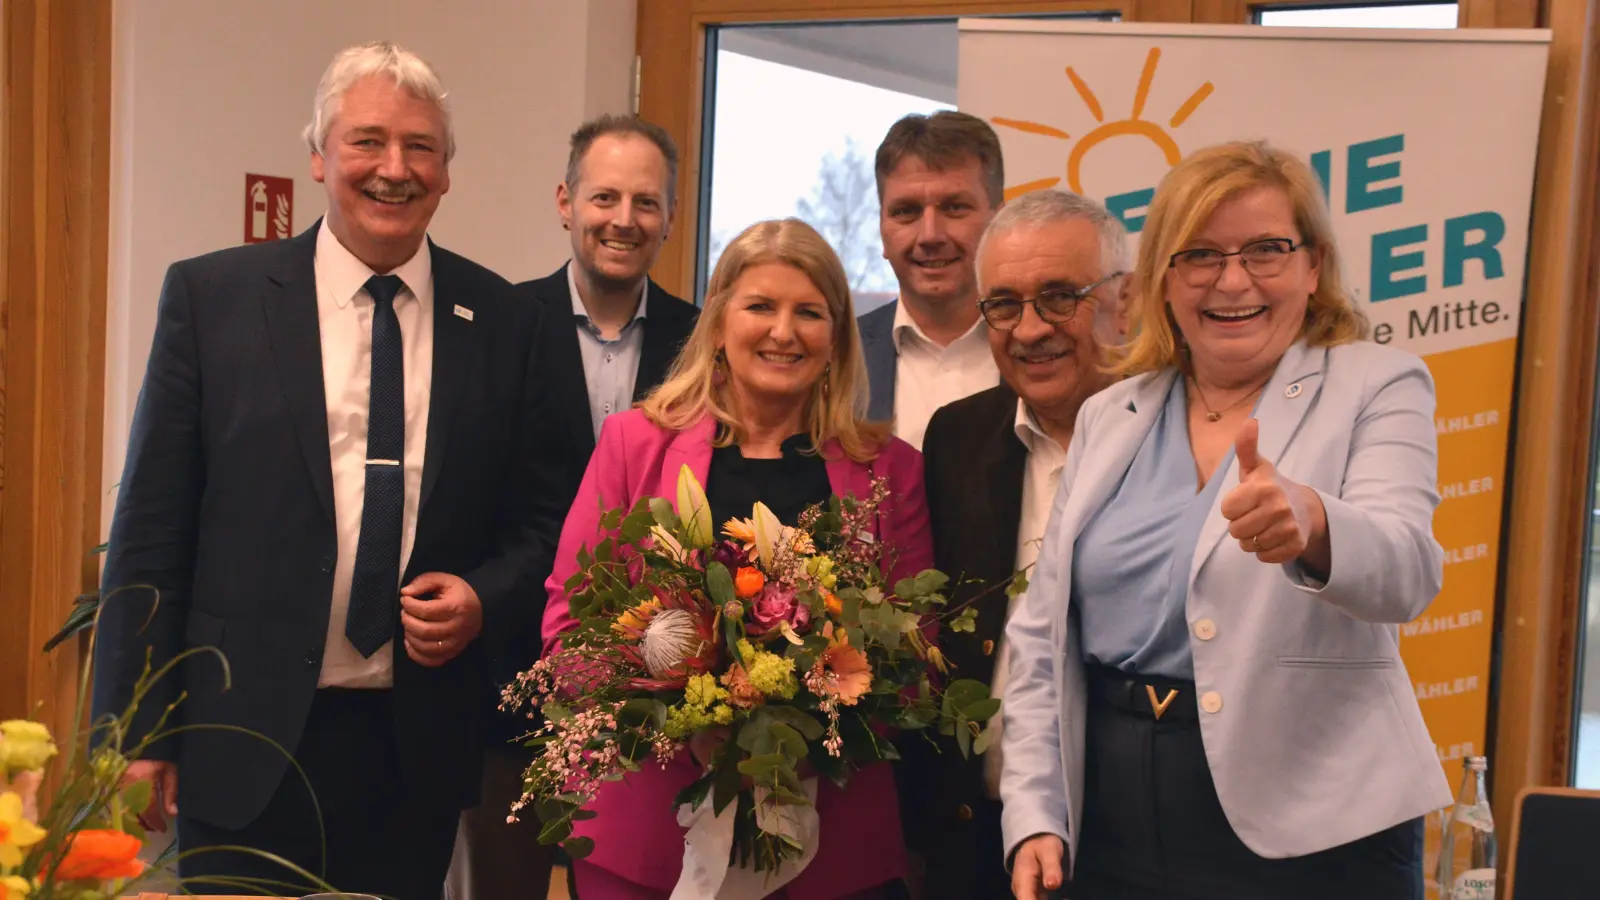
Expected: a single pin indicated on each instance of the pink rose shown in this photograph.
(774, 605)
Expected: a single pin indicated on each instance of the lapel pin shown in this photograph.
(1292, 391)
(463, 312)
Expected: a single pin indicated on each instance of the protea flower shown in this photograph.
(675, 639)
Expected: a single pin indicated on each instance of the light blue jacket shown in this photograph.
(1310, 723)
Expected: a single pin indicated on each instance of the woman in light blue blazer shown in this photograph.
(1206, 697)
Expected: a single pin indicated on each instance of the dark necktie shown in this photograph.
(375, 584)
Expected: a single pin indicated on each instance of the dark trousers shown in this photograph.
(496, 860)
(1153, 828)
(378, 841)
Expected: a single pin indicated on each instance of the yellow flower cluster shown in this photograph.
(24, 747)
(821, 568)
(769, 673)
(702, 707)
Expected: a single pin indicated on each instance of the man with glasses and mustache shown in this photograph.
(940, 180)
(1051, 269)
(335, 477)
(612, 333)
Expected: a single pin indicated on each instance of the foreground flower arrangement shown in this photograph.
(778, 651)
(82, 840)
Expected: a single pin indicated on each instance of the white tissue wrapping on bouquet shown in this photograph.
(706, 875)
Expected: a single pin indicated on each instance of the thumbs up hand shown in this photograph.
(1271, 516)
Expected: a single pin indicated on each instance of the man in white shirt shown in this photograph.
(1052, 271)
(334, 478)
(940, 181)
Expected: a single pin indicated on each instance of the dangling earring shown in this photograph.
(719, 370)
(826, 382)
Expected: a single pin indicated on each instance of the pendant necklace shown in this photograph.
(1215, 415)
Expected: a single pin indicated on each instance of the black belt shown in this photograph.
(1166, 699)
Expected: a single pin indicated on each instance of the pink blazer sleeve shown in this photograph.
(907, 530)
(605, 486)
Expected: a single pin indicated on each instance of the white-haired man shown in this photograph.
(331, 479)
(1051, 269)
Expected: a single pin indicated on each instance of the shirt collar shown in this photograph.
(907, 329)
(581, 312)
(346, 275)
(1029, 432)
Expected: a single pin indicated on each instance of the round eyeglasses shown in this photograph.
(1055, 306)
(1202, 266)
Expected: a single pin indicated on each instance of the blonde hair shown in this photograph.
(837, 408)
(1185, 200)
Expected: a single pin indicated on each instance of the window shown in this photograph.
(1364, 15)
(1586, 747)
(796, 115)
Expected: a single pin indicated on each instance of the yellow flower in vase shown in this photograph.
(16, 832)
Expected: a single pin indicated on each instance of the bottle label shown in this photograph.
(1477, 816)
(1474, 884)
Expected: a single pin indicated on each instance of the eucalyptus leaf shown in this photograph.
(720, 584)
(578, 847)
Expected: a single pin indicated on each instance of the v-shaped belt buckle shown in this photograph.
(1160, 706)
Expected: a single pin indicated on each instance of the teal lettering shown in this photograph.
(1490, 229)
(1362, 173)
(1320, 163)
(1386, 263)
(1123, 204)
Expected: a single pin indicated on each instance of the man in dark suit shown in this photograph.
(940, 179)
(610, 337)
(334, 476)
(1050, 267)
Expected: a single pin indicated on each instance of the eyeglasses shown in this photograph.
(1202, 266)
(1055, 306)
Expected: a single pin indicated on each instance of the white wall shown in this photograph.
(205, 91)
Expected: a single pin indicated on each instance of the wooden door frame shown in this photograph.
(55, 168)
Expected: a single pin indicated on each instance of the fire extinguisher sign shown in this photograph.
(268, 208)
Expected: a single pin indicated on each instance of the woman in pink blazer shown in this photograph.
(767, 402)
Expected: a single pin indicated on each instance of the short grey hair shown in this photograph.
(352, 64)
(1046, 207)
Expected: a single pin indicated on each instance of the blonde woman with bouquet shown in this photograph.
(766, 404)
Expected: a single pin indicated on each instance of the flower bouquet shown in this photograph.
(779, 651)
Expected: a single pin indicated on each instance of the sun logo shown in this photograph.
(1105, 131)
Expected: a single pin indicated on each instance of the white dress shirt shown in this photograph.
(927, 376)
(1040, 479)
(344, 320)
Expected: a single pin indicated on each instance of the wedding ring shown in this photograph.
(1256, 541)
(440, 644)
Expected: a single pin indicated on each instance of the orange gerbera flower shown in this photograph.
(749, 582)
(848, 672)
(100, 854)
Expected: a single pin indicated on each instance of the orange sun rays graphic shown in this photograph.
(1135, 124)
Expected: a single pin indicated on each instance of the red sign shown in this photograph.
(268, 208)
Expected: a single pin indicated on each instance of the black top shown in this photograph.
(787, 485)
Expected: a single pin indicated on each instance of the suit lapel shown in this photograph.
(690, 447)
(1105, 463)
(659, 344)
(567, 359)
(1284, 403)
(454, 359)
(1006, 464)
(290, 309)
(877, 344)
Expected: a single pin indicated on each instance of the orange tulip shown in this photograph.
(833, 603)
(100, 854)
(749, 582)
